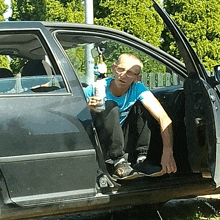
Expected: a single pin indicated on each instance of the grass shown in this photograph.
(200, 216)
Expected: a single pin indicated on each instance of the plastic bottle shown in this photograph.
(100, 92)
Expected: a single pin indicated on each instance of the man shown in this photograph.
(122, 126)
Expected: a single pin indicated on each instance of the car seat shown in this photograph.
(36, 67)
(5, 73)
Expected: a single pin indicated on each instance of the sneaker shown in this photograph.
(124, 171)
(148, 169)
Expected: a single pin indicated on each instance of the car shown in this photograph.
(51, 161)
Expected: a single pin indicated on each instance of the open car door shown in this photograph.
(202, 107)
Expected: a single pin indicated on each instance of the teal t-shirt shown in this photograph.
(137, 91)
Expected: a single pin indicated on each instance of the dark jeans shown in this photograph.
(133, 137)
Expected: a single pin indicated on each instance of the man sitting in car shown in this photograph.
(122, 126)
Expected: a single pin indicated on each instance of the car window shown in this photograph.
(25, 66)
(154, 74)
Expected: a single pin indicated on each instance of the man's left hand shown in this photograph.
(168, 163)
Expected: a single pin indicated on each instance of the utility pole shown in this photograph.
(89, 16)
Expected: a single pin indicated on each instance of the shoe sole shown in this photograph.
(135, 175)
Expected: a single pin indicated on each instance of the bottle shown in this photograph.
(100, 92)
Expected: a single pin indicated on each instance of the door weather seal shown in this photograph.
(105, 180)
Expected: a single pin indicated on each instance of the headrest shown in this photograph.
(36, 67)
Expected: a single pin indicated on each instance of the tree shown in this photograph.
(133, 16)
(48, 10)
(200, 21)
(3, 8)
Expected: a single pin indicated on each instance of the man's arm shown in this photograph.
(157, 111)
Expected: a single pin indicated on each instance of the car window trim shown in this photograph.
(148, 49)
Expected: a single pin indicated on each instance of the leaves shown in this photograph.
(133, 16)
(200, 21)
(48, 10)
(3, 8)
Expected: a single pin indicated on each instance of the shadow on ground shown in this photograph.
(182, 209)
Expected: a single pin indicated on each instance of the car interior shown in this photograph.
(35, 73)
(170, 92)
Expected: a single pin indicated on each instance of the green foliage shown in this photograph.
(16, 64)
(47, 10)
(55, 11)
(133, 16)
(4, 63)
(28, 10)
(66, 11)
(3, 59)
(200, 21)
(75, 12)
(76, 56)
(3, 8)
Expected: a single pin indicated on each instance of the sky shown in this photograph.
(8, 12)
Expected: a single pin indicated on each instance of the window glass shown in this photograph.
(25, 66)
(154, 74)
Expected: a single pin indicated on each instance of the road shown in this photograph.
(205, 207)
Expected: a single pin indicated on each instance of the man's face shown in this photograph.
(126, 72)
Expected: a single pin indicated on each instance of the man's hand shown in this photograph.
(168, 163)
(94, 102)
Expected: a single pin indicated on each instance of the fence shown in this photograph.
(153, 80)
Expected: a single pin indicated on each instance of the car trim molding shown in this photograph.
(47, 156)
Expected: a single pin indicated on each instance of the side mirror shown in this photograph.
(217, 72)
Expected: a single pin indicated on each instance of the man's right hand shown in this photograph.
(94, 102)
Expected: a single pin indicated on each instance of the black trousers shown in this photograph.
(133, 137)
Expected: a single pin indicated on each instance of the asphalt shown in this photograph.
(202, 207)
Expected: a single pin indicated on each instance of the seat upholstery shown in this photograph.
(36, 67)
(5, 73)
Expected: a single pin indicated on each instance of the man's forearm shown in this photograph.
(167, 137)
(167, 160)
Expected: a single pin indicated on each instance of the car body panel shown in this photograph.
(43, 134)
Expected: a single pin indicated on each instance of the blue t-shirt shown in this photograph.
(137, 91)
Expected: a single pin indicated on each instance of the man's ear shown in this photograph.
(138, 78)
(113, 68)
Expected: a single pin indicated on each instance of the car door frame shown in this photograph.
(197, 90)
